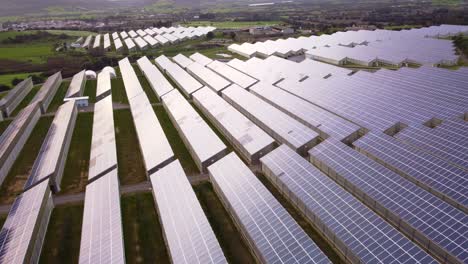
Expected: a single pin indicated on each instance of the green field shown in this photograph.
(19, 173)
(11, 34)
(234, 248)
(7, 78)
(231, 24)
(164, 6)
(136, 69)
(402, 27)
(72, 33)
(75, 174)
(33, 52)
(2, 220)
(130, 161)
(447, 2)
(90, 90)
(58, 98)
(144, 242)
(3, 125)
(62, 241)
(118, 91)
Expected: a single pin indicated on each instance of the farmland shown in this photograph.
(6, 79)
(31, 52)
(26, 52)
(231, 24)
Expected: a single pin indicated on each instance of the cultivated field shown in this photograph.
(62, 241)
(231, 24)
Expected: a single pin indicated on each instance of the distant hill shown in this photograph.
(21, 7)
(53, 7)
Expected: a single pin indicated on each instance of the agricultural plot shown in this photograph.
(75, 175)
(62, 241)
(144, 242)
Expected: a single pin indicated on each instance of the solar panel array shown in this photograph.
(447, 148)
(25, 227)
(142, 44)
(151, 41)
(455, 128)
(101, 234)
(132, 34)
(279, 125)
(436, 225)
(148, 38)
(187, 83)
(251, 141)
(271, 232)
(389, 149)
(379, 101)
(103, 149)
(426, 51)
(141, 33)
(123, 35)
(77, 85)
(182, 60)
(208, 77)
(107, 41)
(130, 44)
(87, 42)
(155, 148)
(187, 231)
(358, 233)
(323, 122)
(118, 44)
(274, 69)
(97, 42)
(231, 74)
(365, 47)
(156, 79)
(50, 161)
(47, 92)
(201, 59)
(202, 142)
(303, 103)
(14, 137)
(437, 176)
(161, 39)
(14, 97)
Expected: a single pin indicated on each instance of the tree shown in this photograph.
(4, 87)
(210, 35)
(37, 78)
(233, 35)
(15, 81)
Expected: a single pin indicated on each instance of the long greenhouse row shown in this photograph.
(375, 162)
(142, 39)
(424, 46)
